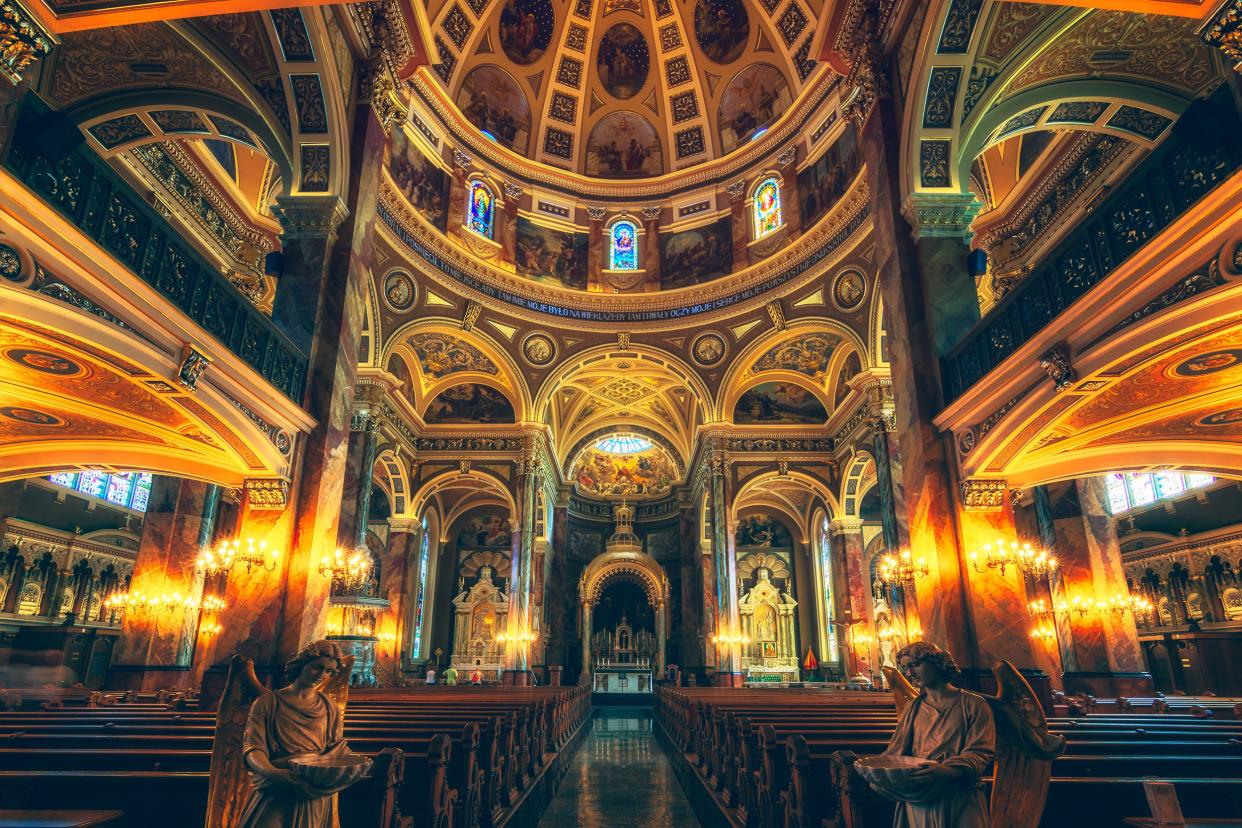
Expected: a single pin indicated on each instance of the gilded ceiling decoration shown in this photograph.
(441, 354)
(808, 354)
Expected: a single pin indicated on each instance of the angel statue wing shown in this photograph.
(229, 780)
(903, 691)
(1024, 751)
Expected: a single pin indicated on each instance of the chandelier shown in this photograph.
(1030, 561)
(348, 571)
(902, 570)
(230, 554)
(163, 602)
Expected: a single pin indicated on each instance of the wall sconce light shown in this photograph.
(230, 554)
(164, 602)
(517, 636)
(1040, 610)
(349, 571)
(902, 569)
(861, 641)
(210, 628)
(1044, 632)
(1034, 562)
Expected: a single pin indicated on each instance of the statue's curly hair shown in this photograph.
(926, 651)
(312, 651)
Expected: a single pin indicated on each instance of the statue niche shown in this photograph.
(481, 613)
(767, 616)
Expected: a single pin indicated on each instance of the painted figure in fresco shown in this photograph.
(296, 720)
(525, 29)
(955, 731)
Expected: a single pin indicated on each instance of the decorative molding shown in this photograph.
(983, 495)
(471, 315)
(595, 213)
(461, 159)
(23, 40)
(267, 493)
(933, 215)
(193, 365)
(777, 314)
(1224, 31)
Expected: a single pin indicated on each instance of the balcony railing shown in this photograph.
(88, 193)
(1165, 185)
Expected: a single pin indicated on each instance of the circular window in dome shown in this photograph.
(624, 444)
(526, 29)
(722, 28)
(623, 60)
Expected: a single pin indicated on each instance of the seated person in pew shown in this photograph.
(295, 720)
(954, 729)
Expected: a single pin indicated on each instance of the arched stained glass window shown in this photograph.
(481, 210)
(424, 558)
(1131, 490)
(767, 210)
(129, 489)
(825, 563)
(623, 246)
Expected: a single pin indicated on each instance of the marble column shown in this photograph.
(740, 224)
(586, 642)
(14, 568)
(661, 619)
(396, 564)
(517, 656)
(650, 248)
(1101, 650)
(728, 664)
(507, 226)
(691, 588)
(920, 461)
(155, 647)
(597, 248)
(357, 487)
(850, 585)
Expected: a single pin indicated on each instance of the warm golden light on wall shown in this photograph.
(1044, 632)
(162, 602)
(1039, 609)
(210, 628)
(349, 571)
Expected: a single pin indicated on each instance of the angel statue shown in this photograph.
(292, 741)
(947, 737)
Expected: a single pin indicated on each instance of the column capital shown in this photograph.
(1223, 30)
(983, 494)
(461, 159)
(941, 215)
(736, 190)
(596, 213)
(25, 40)
(407, 525)
(308, 217)
(787, 157)
(513, 191)
(380, 91)
(267, 493)
(845, 526)
(652, 213)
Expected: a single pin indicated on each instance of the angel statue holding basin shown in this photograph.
(946, 739)
(290, 743)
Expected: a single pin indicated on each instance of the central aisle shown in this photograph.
(620, 777)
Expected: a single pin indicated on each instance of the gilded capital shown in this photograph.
(983, 495)
(23, 40)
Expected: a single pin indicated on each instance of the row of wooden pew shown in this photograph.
(445, 757)
(785, 758)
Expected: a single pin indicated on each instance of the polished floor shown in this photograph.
(620, 777)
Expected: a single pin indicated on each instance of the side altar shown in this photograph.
(482, 611)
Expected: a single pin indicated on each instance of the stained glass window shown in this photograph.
(424, 557)
(767, 216)
(623, 253)
(1128, 491)
(825, 562)
(481, 210)
(129, 489)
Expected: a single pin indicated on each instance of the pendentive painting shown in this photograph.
(470, 403)
(722, 28)
(807, 354)
(421, 182)
(526, 29)
(624, 145)
(694, 256)
(755, 99)
(484, 531)
(548, 255)
(822, 184)
(623, 60)
(491, 100)
(779, 403)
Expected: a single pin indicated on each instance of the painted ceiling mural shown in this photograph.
(807, 354)
(779, 403)
(469, 403)
(442, 354)
(643, 471)
(491, 100)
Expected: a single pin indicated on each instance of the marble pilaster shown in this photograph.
(691, 590)
(155, 647)
(651, 252)
(400, 554)
(356, 488)
(597, 250)
(739, 222)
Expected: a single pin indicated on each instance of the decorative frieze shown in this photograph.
(267, 493)
(23, 40)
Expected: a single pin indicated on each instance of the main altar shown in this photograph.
(622, 660)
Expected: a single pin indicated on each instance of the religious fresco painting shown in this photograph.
(623, 60)
(442, 354)
(491, 100)
(806, 354)
(663, 544)
(722, 28)
(645, 474)
(421, 182)
(547, 255)
(470, 403)
(851, 369)
(694, 256)
(526, 29)
(624, 145)
(762, 530)
(766, 215)
(754, 100)
(822, 183)
(584, 545)
(484, 531)
(779, 403)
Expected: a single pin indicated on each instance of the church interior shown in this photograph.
(620, 412)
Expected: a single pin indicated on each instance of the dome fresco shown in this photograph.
(623, 88)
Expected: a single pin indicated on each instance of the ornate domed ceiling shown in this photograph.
(623, 89)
